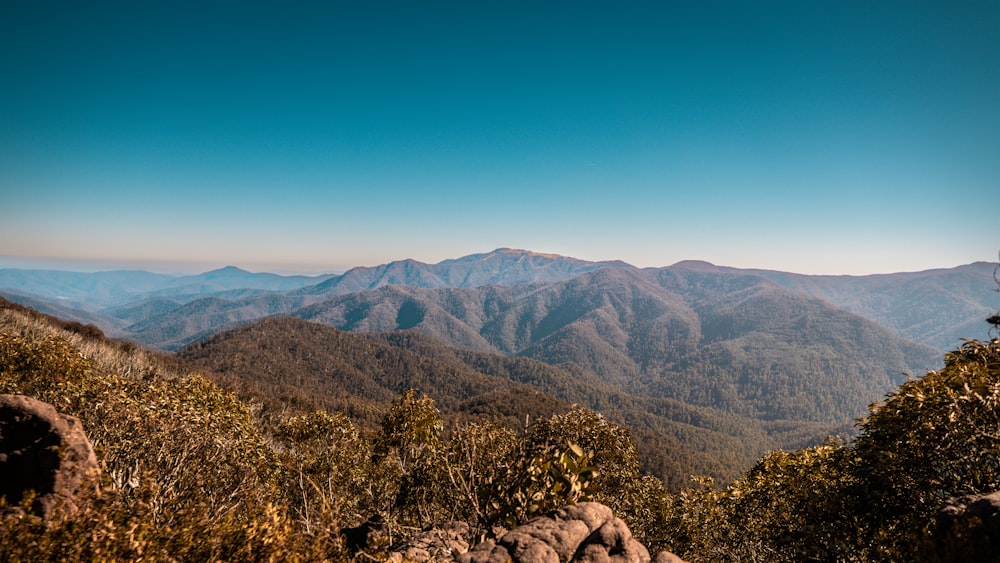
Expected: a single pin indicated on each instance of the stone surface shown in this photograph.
(667, 557)
(44, 451)
(966, 529)
(438, 544)
(582, 533)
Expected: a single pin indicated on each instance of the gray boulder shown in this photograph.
(43, 451)
(440, 544)
(583, 533)
(966, 529)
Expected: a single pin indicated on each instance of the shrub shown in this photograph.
(186, 472)
(328, 467)
(553, 477)
(796, 506)
(408, 460)
(481, 459)
(934, 438)
(611, 449)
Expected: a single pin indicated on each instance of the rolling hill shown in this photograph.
(284, 362)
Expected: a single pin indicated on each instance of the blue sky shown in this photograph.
(848, 137)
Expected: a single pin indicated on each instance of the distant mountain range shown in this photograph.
(934, 307)
(760, 344)
(713, 365)
(732, 341)
(93, 292)
(98, 291)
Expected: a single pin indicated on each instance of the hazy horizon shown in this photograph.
(181, 268)
(819, 139)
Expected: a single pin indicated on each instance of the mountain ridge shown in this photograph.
(938, 307)
(950, 302)
(933, 307)
(659, 333)
(503, 266)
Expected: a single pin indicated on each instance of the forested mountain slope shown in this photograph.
(314, 366)
(736, 342)
(935, 307)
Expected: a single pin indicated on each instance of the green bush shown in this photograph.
(642, 501)
(934, 438)
(327, 466)
(611, 449)
(797, 506)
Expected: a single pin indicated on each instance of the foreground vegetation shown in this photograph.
(192, 472)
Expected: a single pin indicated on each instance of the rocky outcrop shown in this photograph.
(966, 529)
(438, 544)
(43, 451)
(582, 533)
(667, 557)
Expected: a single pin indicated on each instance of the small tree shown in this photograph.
(409, 453)
(481, 459)
(329, 462)
(411, 428)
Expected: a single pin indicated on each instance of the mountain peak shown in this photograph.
(506, 253)
(697, 265)
(522, 252)
(226, 271)
(501, 266)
